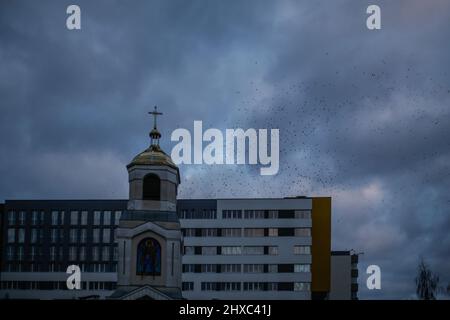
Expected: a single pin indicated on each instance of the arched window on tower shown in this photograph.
(148, 258)
(151, 187)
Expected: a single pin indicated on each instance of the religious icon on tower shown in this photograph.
(148, 258)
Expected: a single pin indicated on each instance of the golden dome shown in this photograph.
(153, 156)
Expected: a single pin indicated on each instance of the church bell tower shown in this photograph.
(149, 235)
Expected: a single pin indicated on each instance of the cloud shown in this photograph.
(363, 116)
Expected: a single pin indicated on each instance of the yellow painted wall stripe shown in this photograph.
(321, 244)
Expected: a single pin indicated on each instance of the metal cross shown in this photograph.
(155, 113)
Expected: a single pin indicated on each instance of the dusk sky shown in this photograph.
(364, 116)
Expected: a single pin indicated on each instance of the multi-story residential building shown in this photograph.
(42, 238)
(344, 275)
(255, 248)
(232, 248)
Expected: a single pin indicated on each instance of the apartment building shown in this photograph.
(232, 248)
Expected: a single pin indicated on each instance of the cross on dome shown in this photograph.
(154, 134)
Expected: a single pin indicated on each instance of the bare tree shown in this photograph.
(426, 282)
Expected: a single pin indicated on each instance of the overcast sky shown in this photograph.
(364, 116)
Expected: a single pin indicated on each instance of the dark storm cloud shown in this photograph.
(363, 116)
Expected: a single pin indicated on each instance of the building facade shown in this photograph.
(344, 275)
(232, 248)
(42, 238)
(255, 248)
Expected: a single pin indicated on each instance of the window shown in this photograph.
(273, 232)
(231, 214)
(273, 250)
(209, 251)
(272, 286)
(236, 250)
(209, 232)
(34, 235)
(54, 235)
(253, 268)
(74, 217)
(95, 253)
(231, 232)
(301, 286)
(183, 214)
(272, 268)
(22, 218)
(73, 235)
(285, 268)
(221, 286)
(187, 286)
(20, 253)
(253, 286)
(254, 214)
(10, 253)
(83, 235)
(254, 250)
(99, 267)
(302, 214)
(11, 235)
(148, 257)
(254, 232)
(209, 214)
(11, 218)
(97, 215)
(209, 268)
(115, 253)
(302, 250)
(259, 214)
(34, 218)
(229, 286)
(302, 268)
(107, 218)
(189, 232)
(189, 250)
(188, 268)
(53, 253)
(198, 214)
(41, 235)
(84, 216)
(55, 218)
(230, 268)
(286, 232)
(151, 187)
(286, 214)
(96, 235)
(302, 232)
(72, 253)
(82, 253)
(21, 235)
(208, 286)
(273, 214)
(285, 286)
(117, 215)
(106, 235)
(38, 252)
(105, 254)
